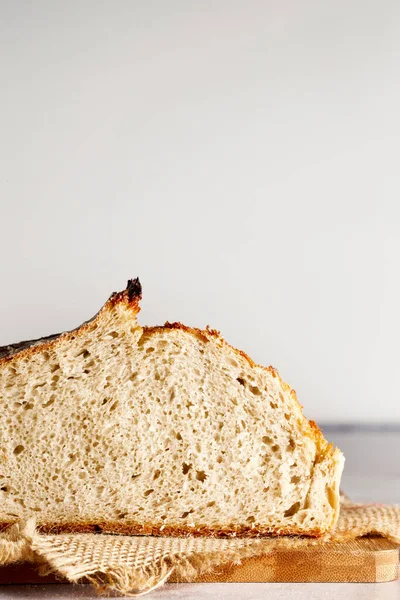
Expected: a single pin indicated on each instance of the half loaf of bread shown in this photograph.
(157, 430)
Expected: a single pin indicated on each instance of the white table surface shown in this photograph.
(372, 473)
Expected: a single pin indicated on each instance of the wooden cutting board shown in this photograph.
(359, 561)
(363, 560)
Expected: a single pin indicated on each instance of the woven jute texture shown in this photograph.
(135, 565)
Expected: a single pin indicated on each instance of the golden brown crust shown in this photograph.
(170, 531)
(130, 296)
(207, 334)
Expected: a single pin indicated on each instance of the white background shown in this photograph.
(241, 157)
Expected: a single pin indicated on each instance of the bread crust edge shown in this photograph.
(115, 527)
(130, 296)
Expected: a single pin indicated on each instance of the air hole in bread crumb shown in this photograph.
(273, 405)
(157, 474)
(295, 479)
(186, 513)
(18, 449)
(287, 416)
(38, 385)
(186, 468)
(84, 353)
(148, 492)
(4, 489)
(122, 515)
(251, 519)
(292, 510)
(291, 445)
(255, 390)
(114, 406)
(28, 406)
(241, 381)
(267, 440)
(149, 350)
(201, 475)
(212, 503)
(219, 459)
(49, 402)
(178, 436)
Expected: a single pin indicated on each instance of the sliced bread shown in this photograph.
(157, 430)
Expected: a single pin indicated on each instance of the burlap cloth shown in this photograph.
(135, 565)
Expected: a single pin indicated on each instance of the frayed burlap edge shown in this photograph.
(135, 565)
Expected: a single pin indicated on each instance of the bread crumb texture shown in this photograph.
(159, 430)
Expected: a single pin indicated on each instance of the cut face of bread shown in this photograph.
(157, 430)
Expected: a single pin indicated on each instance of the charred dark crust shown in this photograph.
(131, 295)
(11, 349)
(134, 289)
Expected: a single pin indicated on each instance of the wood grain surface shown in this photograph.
(363, 560)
